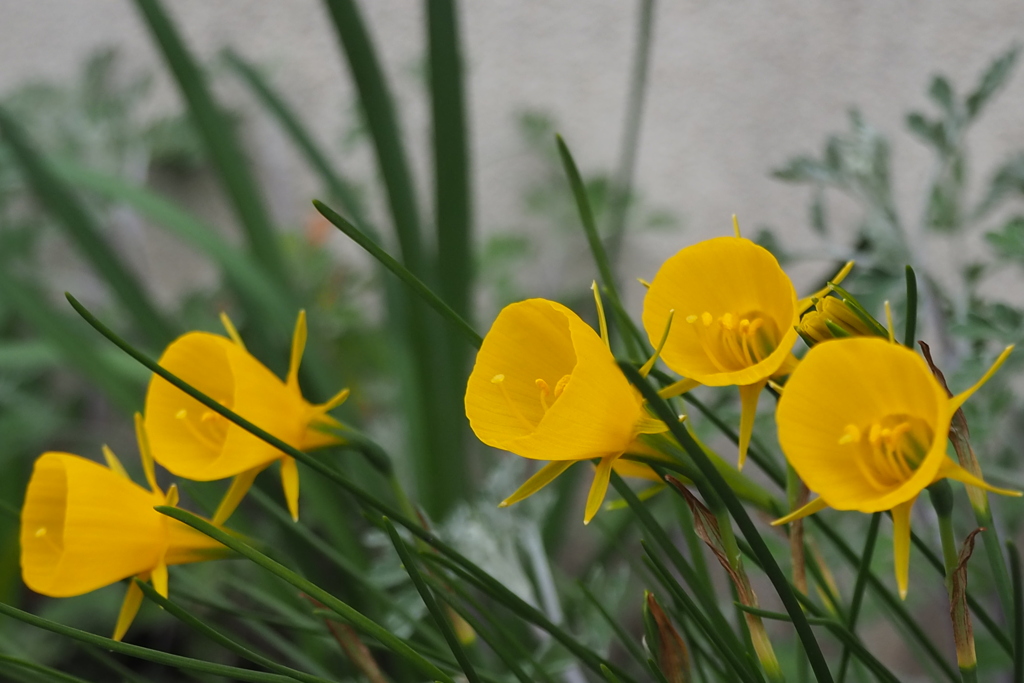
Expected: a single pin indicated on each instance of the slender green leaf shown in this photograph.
(911, 330)
(440, 618)
(49, 673)
(859, 586)
(218, 136)
(379, 114)
(201, 627)
(65, 335)
(739, 514)
(246, 276)
(336, 185)
(1018, 612)
(81, 226)
(403, 273)
(157, 656)
(342, 609)
(627, 641)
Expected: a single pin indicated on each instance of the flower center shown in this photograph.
(547, 396)
(889, 450)
(734, 342)
(208, 427)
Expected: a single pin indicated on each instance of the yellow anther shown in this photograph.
(874, 433)
(728, 321)
(498, 379)
(562, 383)
(691, 318)
(181, 414)
(208, 416)
(545, 390)
(706, 318)
(851, 434)
(40, 532)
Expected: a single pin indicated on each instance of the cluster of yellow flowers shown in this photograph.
(85, 526)
(861, 419)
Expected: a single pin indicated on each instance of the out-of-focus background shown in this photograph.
(734, 91)
(886, 132)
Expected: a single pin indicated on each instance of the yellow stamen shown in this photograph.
(500, 381)
(200, 435)
(562, 383)
(545, 390)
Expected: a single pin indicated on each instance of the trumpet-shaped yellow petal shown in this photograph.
(735, 312)
(197, 443)
(545, 386)
(864, 423)
(83, 526)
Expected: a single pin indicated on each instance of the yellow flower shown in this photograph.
(85, 526)
(735, 317)
(832, 318)
(864, 423)
(194, 442)
(545, 386)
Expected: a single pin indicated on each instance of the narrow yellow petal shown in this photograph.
(334, 401)
(816, 505)
(602, 321)
(290, 483)
(736, 226)
(648, 424)
(808, 301)
(113, 463)
(599, 487)
(298, 346)
(542, 478)
(901, 544)
(159, 578)
(230, 328)
(649, 365)
(678, 388)
(748, 410)
(145, 453)
(951, 470)
(171, 500)
(129, 608)
(888, 323)
(958, 400)
(240, 485)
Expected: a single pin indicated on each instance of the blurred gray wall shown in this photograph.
(736, 87)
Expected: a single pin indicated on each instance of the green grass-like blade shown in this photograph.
(218, 137)
(911, 329)
(1018, 612)
(49, 673)
(65, 335)
(404, 274)
(246, 276)
(450, 557)
(440, 618)
(351, 616)
(627, 641)
(382, 122)
(597, 251)
(736, 510)
(334, 182)
(451, 157)
(81, 227)
(201, 627)
(858, 587)
(157, 656)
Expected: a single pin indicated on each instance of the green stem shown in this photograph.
(942, 500)
(858, 589)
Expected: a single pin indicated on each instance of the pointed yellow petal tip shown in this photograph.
(736, 226)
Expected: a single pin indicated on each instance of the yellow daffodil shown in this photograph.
(85, 526)
(197, 443)
(833, 318)
(545, 386)
(736, 312)
(864, 423)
